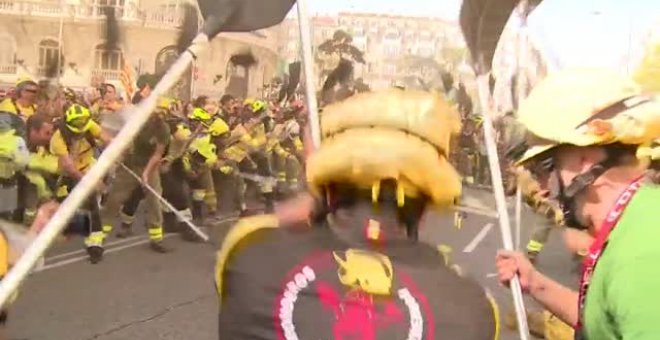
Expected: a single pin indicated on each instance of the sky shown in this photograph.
(608, 33)
(446, 9)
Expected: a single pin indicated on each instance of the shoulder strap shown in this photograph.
(238, 232)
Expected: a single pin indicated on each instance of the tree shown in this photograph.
(331, 52)
(420, 71)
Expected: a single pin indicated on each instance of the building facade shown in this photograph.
(34, 32)
(385, 39)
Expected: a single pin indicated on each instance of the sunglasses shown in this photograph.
(31, 90)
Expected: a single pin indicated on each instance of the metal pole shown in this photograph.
(60, 43)
(518, 217)
(521, 93)
(106, 161)
(167, 204)
(308, 67)
(500, 199)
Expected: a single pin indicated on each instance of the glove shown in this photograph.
(226, 169)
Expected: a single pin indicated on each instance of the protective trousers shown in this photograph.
(97, 233)
(540, 236)
(264, 169)
(120, 192)
(174, 191)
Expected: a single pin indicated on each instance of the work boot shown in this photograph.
(159, 247)
(95, 254)
(170, 223)
(125, 231)
(198, 211)
(270, 202)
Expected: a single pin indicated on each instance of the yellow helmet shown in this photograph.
(199, 114)
(411, 129)
(257, 106)
(165, 103)
(205, 148)
(78, 118)
(218, 128)
(586, 107)
(23, 80)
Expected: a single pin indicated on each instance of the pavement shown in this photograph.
(138, 294)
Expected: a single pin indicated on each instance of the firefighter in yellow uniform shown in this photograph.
(74, 144)
(14, 157)
(231, 153)
(43, 168)
(23, 103)
(197, 162)
(290, 155)
(252, 134)
(334, 281)
(200, 120)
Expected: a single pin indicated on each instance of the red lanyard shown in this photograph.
(597, 248)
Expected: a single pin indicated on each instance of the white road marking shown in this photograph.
(110, 247)
(82, 251)
(56, 264)
(477, 239)
(491, 275)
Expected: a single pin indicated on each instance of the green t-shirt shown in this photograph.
(154, 132)
(623, 300)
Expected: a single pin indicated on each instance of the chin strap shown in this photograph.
(567, 195)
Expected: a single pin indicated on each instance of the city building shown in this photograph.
(386, 41)
(33, 32)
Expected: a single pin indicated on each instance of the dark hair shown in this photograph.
(345, 195)
(226, 99)
(104, 88)
(36, 121)
(200, 101)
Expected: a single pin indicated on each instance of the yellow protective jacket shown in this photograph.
(14, 155)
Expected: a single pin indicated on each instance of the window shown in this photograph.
(117, 4)
(48, 52)
(108, 59)
(391, 51)
(7, 52)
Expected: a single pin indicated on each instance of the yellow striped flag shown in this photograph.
(127, 79)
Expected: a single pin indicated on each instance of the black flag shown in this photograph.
(294, 79)
(242, 15)
(188, 27)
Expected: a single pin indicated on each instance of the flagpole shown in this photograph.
(60, 43)
(500, 199)
(308, 68)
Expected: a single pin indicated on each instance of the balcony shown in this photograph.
(8, 69)
(107, 75)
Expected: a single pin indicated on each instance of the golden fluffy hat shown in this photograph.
(391, 134)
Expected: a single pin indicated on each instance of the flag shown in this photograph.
(127, 78)
(242, 15)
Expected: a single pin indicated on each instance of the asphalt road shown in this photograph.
(138, 294)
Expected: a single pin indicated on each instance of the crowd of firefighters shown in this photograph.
(51, 135)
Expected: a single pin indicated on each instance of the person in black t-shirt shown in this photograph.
(359, 274)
